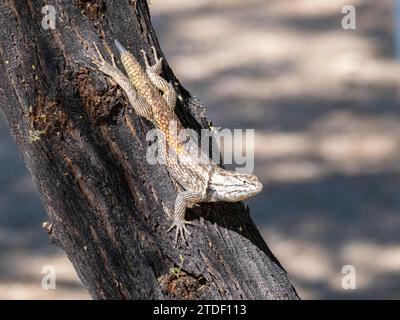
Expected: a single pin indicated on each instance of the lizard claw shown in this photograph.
(113, 61)
(158, 60)
(99, 59)
(109, 69)
(146, 60)
(180, 226)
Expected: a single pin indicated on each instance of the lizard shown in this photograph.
(154, 98)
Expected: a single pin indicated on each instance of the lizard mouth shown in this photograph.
(257, 188)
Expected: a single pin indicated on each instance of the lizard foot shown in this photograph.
(157, 66)
(180, 225)
(99, 61)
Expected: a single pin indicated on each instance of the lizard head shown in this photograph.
(233, 186)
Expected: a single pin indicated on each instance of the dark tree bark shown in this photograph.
(85, 149)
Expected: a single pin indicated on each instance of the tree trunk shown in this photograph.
(86, 151)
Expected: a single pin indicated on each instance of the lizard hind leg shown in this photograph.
(140, 106)
(104, 66)
(153, 72)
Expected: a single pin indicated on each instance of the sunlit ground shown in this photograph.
(325, 106)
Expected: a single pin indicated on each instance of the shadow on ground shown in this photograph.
(325, 105)
(24, 246)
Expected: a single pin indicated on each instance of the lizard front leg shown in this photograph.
(185, 199)
(153, 72)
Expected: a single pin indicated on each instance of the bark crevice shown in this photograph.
(109, 209)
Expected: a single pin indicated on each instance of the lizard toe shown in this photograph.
(181, 229)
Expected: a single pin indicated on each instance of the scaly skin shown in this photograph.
(161, 111)
(202, 182)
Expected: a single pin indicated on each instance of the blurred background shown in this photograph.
(324, 103)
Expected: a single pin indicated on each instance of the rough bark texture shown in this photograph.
(109, 209)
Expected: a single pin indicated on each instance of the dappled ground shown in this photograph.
(24, 247)
(325, 106)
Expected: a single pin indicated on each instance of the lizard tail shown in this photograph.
(119, 46)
